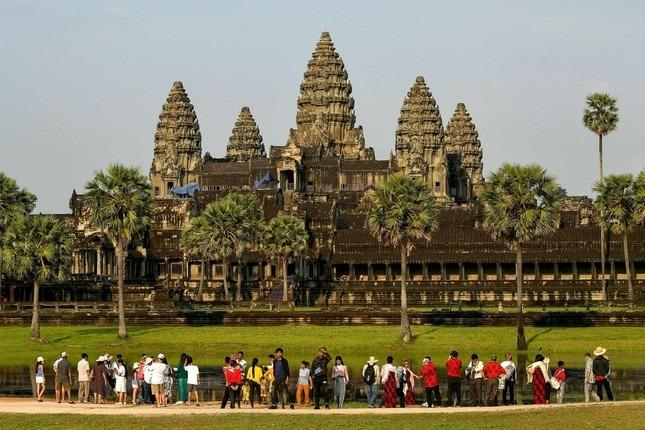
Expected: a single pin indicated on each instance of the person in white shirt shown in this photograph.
(120, 385)
(509, 379)
(475, 376)
(158, 373)
(147, 381)
(83, 368)
(193, 380)
(371, 378)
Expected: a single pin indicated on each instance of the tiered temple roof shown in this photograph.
(178, 125)
(245, 142)
(462, 139)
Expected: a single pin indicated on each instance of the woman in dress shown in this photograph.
(409, 380)
(99, 376)
(390, 382)
(538, 374)
(135, 383)
(40, 378)
(341, 378)
(167, 381)
(120, 384)
(182, 380)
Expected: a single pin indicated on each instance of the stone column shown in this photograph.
(388, 271)
(352, 272)
(594, 272)
(480, 271)
(538, 277)
(444, 273)
(574, 270)
(424, 271)
(462, 271)
(99, 261)
(370, 272)
(500, 273)
(556, 271)
(613, 270)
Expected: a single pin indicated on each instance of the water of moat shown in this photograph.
(627, 384)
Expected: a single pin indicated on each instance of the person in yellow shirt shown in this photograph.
(254, 376)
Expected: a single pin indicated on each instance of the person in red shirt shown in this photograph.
(430, 382)
(492, 371)
(233, 376)
(454, 366)
(561, 375)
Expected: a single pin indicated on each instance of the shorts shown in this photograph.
(40, 379)
(157, 389)
(192, 387)
(135, 383)
(62, 386)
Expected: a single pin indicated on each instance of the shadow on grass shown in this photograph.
(530, 340)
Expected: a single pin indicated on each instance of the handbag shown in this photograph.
(555, 384)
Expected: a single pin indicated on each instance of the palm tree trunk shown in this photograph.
(120, 262)
(603, 238)
(1, 249)
(628, 270)
(521, 339)
(406, 333)
(238, 291)
(35, 313)
(285, 292)
(225, 271)
(202, 268)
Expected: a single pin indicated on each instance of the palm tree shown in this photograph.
(601, 117)
(617, 202)
(249, 227)
(402, 210)
(193, 243)
(285, 236)
(521, 204)
(14, 204)
(38, 251)
(120, 205)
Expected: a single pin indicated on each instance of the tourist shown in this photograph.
(182, 380)
(430, 377)
(98, 377)
(246, 391)
(120, 384)
(410, 376)
(83, 369)
(193, 380)
(341, 378)
(390, 382)
(601, 371)
(589, 381)
(167, 381)
(141, 380)
(402, 387)
(561, 375)
(319, 377)
(304, 384)
(40, 378)
(55, 367)
(281, 374)
(493, 371)
(135, 383)
(254, 376)
(148, 396)
(64, 379)
(454, 365)
(265, 386)
(475, 377)
(110, 381)
(233, 377)
(158, 373)
(227, 389)
(242, 362)
(371, 376)
(509, 380)
(537, 374)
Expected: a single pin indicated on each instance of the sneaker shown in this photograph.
(273, 407)
(315, 407)
(424, 404)
(71, 402)
(292, 406)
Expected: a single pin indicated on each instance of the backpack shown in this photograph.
(370, 375)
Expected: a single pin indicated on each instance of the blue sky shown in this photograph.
(83, 81)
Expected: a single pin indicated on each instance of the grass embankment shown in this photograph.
(597, 417)
(208, 345)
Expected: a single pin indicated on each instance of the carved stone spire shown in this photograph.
(245, 142)
(178, 143)
(419, 138)
(326, 108)
(464, 156)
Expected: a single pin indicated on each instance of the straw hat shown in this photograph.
(161, 356)
(40, 360)
(101, 358)
(372, 360)
(135, 366)
(149, 360)
(599, 351)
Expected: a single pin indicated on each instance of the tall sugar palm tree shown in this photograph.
(285, 236)
(250, 230)
(601, 117)
(194, 244)
(402, 210)
(120, 204)
(618, 202)
(521, 204)
(38, 251)
(15, 202)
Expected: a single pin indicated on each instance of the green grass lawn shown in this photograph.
(606, 416)
(208, 345)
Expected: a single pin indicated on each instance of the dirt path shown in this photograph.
(30, 406)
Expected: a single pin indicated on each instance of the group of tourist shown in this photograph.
(152, 380)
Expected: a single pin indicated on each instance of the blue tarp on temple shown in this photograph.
(186, 191)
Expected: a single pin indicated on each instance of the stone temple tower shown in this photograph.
(419, 139)
(463, 148)
(178, 144)
(325, 114)
(245, 142)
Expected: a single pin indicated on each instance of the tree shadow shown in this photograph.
(416, 335)
(530, 340)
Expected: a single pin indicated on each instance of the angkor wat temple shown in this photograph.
(322, 174)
